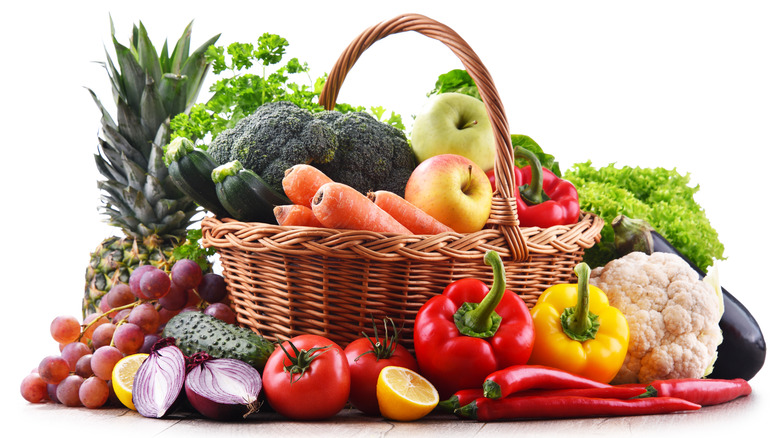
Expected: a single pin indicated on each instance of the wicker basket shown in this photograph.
(287, 281)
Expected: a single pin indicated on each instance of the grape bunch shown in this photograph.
(130, 321)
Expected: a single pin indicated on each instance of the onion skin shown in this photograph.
(215, 401)
(165, 360)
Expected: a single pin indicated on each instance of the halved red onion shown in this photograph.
(222, 389)
(159, 380)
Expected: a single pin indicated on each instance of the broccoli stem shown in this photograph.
(578, 322)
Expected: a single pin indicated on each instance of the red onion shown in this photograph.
(159, 379)
(222, 389)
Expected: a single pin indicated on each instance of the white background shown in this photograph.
(692, 85)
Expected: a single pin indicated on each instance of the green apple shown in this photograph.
(454, 123)
(453, 189)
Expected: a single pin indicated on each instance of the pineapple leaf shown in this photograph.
(165, 59)
(153, 192)
(140, 206)
(195, 68)
(131, 127)
(152, 106)
(147, 54)
(181, 50)
(119, 145)
(136, 175)
(106, 116)
(174, 92)
(157, 167)
(132, 75)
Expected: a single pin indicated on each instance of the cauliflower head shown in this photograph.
(672, 316)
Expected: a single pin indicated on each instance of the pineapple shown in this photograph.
(136, 194)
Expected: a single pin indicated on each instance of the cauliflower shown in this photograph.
(672, 316)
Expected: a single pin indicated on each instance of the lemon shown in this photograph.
(122, 377)
(404, 395)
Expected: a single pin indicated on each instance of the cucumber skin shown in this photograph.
(246, 197)
(197, 332)
(192, 175)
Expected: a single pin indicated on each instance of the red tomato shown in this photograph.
(366, 360)
(316, 387)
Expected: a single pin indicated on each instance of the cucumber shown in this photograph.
(190, 169)
(245, 195)
(195, 332)
(743, 351)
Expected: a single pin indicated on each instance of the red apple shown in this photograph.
(453, 189)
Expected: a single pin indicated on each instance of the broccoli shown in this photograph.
(352, 148)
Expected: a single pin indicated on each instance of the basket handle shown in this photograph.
(503, 214)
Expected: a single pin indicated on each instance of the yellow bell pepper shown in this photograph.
(578, 331)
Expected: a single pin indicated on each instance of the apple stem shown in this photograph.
(469, 124)
(468, 181)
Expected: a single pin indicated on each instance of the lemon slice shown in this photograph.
(404, 395)
(122, 377)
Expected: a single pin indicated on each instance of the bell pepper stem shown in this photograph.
(480, 319)
(532, 193)
(578, 322)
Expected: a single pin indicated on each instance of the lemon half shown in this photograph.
(122, 377)
(404, 395)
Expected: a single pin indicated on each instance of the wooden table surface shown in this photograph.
(750, 416)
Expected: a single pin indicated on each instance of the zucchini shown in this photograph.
(743, 350)
(196, 332)
(245, 195)
(190, 169)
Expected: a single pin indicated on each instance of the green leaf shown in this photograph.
(455, 81)
(147, 55)
(528, 143)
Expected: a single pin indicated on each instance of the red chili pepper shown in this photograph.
(705, 392)
(514, 379)
(470, 331)
(543, 199)
(515, 408)
(466, 396)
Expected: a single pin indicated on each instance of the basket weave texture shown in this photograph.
(288, 281)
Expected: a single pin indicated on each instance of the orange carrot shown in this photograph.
(408, 214)
(340, 206)
(295, 215)
(301, 182)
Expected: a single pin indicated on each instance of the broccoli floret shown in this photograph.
(371, 155)
(275, 137)
(352, 148)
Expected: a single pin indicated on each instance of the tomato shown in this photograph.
(367, 356)
(307, 378)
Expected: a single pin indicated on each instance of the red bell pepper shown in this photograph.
(543, 199)
(470, 331)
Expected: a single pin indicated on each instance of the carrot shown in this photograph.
(408, 214)
(338, 205)
(295, 215)
(301, 182)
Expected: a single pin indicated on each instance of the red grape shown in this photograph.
(103, 335)
(89, 331)
(93, 392)
(53, 369)
(120, 295)
(154, 284)
(68, 390)
(149, 341)
(83, 366)
(34, 389)
(146, 317)
(212, 288)
(135, 279)
(186, 273)
(73, 351)
(176, 298)
(128, 338)
(221, 311)
(65, 329)
(103, 361)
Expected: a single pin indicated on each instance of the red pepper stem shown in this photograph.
(532, 193)
(481, 320)
(578, 322)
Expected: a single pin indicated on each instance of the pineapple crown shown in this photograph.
(137, 195)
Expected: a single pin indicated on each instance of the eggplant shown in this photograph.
(743, 351)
